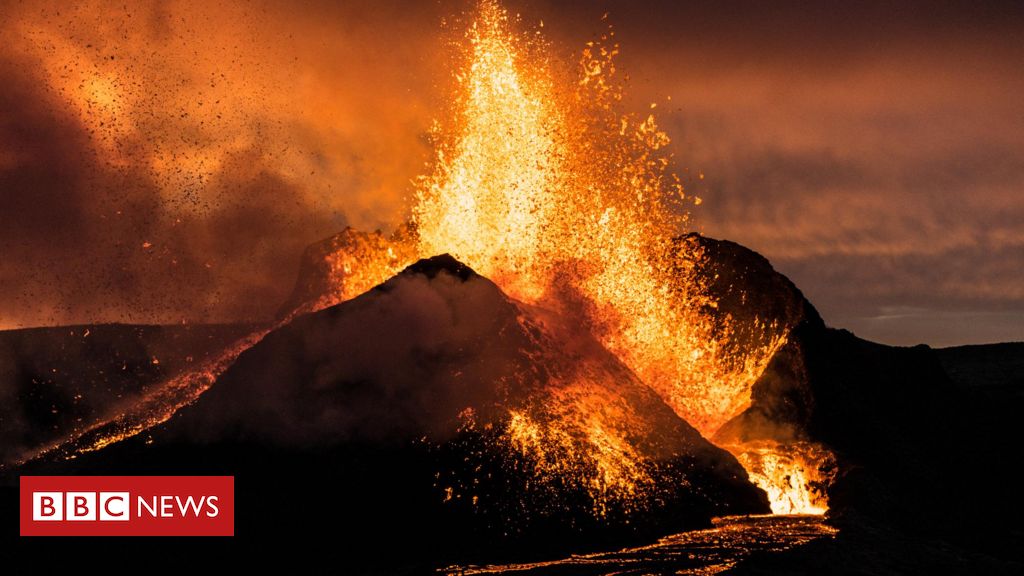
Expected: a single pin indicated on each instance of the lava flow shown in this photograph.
(793, 475)
(543, 184)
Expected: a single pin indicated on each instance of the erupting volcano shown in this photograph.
(542, 356)
(543, 184)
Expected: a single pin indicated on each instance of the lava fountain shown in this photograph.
(542, 183)
(550, 190)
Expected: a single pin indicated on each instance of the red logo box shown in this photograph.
(127, 506)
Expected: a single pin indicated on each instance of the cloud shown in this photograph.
(891, 179)
(162, 162)
(882, 142)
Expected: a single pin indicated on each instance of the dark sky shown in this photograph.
(168, 161)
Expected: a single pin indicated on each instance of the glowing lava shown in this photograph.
(555, 194)
(564, 200)
(793, 475)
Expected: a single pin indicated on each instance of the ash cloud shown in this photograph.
(168, 162)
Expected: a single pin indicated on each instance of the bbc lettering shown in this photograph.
(115, 506)
(75, 506)
(127, 506)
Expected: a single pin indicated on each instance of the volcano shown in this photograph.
(486, 425)
(436, 412)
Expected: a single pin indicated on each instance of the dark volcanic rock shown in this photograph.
(754, 305)
(916, 449)
(998, 367)
(438, 415)
(55, 380)
(760, 302)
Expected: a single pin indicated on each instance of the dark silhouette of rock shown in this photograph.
(56, 380)
(758, 302)
(997, 367)
(917, 450)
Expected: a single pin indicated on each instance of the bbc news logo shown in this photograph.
(127, 505)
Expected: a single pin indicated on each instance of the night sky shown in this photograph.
(167, 162)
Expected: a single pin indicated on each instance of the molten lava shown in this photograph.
(564, 200)
(793, 475)
(557, 195)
